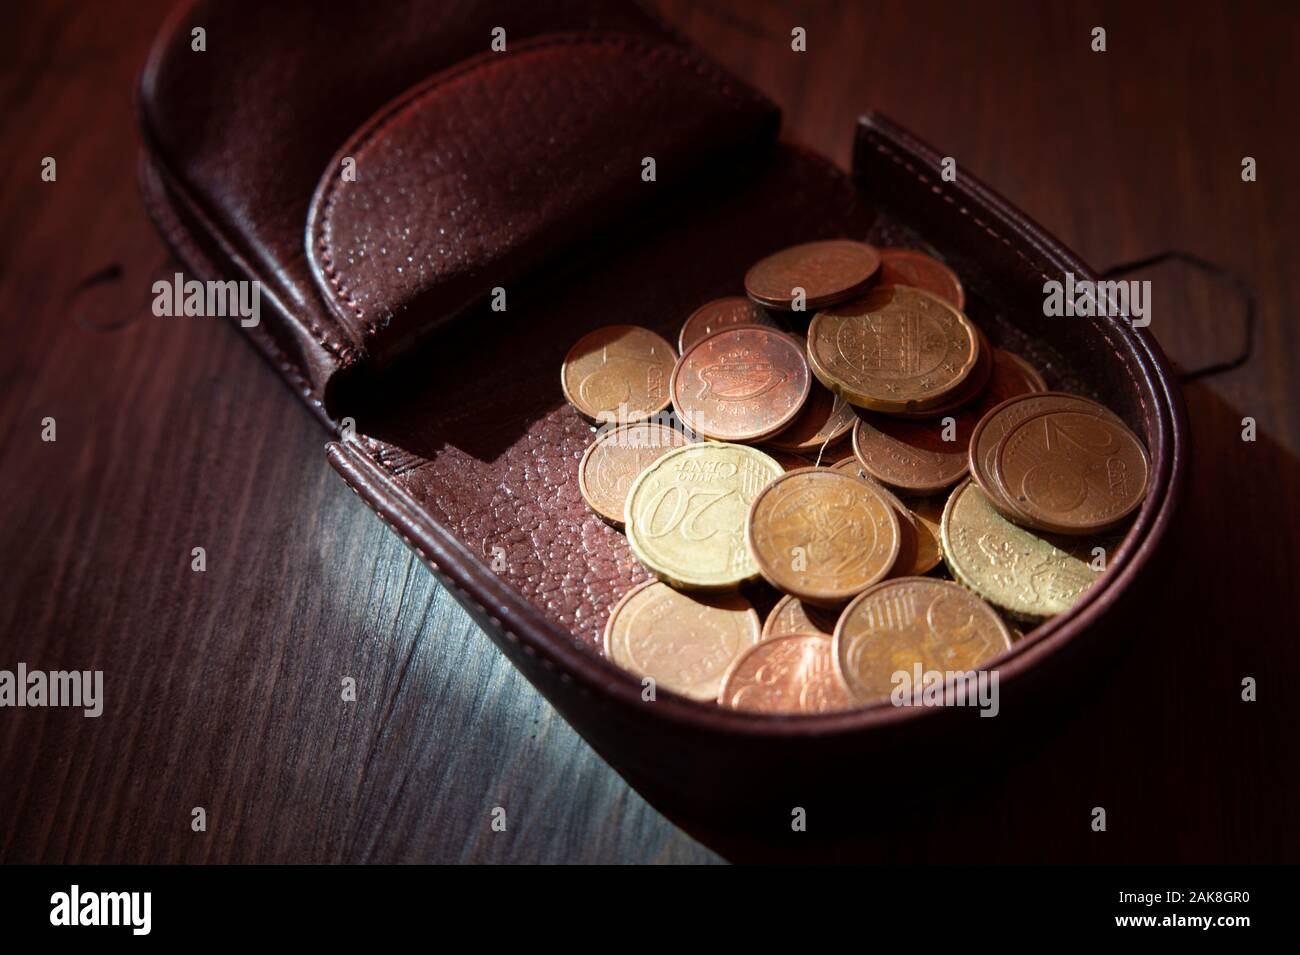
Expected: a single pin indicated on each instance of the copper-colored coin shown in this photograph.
(964, 394)
(718, 314)
(908, 267)
(998, 420)
(821, 535)
(684, 642)
(928, 512)
(615, 458)
(897, 624)
(618, 374)
(792, 615)
(788, 460)
(912, 455)
(831, 271)
(909, 543)
(1072, 472)
(824, 419)
(894, 349)
(1031, 374)
(840, 451)
(794, 673)
(742, 383)
(909, 456)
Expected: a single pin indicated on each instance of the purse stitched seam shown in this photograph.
(648, 49)
(1101, 327)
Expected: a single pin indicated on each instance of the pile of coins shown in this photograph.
(843, 467)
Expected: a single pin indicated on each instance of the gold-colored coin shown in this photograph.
(821, 535)
(897, 624)
(928, 512)
(684, 642)
(686, 514)
(615, 458)
(618, 374)
(895, 349)
(792, 615)
(909, 543)
(1020, 571)
(793, 673)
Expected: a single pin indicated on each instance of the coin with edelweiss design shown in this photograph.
(897, 624)
(741, 383)
(829, 271)
(1020, 571)
(684, 642)
(822, 536)
(718, 314)
(618, 374)
(686, 514)
(616, 458)
(793, 673)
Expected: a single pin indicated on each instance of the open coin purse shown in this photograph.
(523, 171)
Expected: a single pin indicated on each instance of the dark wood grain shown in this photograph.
(223, 687)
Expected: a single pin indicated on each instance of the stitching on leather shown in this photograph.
(651, 50)
(1102, 328)
(178, 237)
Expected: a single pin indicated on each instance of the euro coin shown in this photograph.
(615, 458)
(895, 349)
(821, 535)
(909, 543)
(830, 271)
(686, 514)
(994, 425)
(618, 374)
(897, 624)
(1072, 472)
(1028, 575)
(908, 267)
(790, 674)
(792, 615)
(684, 642)
(742, 383)
(718, 314)
(824, 419)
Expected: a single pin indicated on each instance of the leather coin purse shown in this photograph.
(473, 170)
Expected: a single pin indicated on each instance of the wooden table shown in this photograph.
(223, 688)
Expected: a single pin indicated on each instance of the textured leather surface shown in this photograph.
(241, 134)
(489, 446)
(467, 449)
(483, 171)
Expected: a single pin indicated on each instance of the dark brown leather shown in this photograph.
(239, 136)
(504, 162)
(465, 445)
